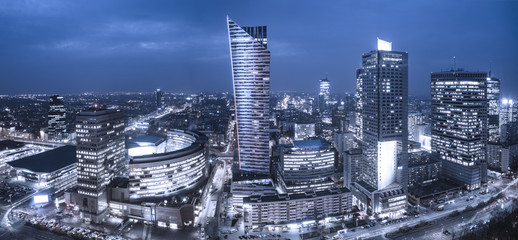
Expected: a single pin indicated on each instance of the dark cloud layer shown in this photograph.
(103, 46)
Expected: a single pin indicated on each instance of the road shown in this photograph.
(509, 189)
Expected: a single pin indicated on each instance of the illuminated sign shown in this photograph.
(41, 199)
(384, 45)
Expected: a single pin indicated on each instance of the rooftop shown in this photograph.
(284, 197)
(9, 144)
(48, 161)
(311, 144)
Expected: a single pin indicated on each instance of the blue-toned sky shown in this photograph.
(104, 46)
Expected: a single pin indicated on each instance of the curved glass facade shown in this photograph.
(162, 175)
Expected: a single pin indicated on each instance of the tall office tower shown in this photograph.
(250, 60)
(459, 125)
(159, 99)
(384, 113)
(57, 126)
(100, 157)
(508, 111)
(383, 94)
(323, 95)
(493, 99)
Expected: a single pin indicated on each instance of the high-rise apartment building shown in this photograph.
(159, 99)
(493, 100)
(100, 157)
(459, 125)
(383, 109)
(250, 60)
(57, 125)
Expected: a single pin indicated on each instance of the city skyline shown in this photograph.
(146, 48)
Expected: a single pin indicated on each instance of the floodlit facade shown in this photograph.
(382, 97)
(384, 112)
(156, 172)
(250, 60)
(57, 126)
(306, 165)
(286, 208)
(459, 125)
(100, 157)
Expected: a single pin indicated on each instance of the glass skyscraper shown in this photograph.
(493, 100)
(459, 125)
(250, 61)
(323, 95)
(57, 126)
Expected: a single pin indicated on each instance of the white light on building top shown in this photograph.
(384, 45)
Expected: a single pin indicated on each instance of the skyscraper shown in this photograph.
(383, 93)
(250, 60)
(493, 99)
(57, 126)
(100, 157)
(459, 125)
(159, 99)
(323, 95)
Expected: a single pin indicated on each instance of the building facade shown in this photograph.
(57, 125)
(100, 157)
(162, 173)
(383, 109)
(459, 125)
(159, 99)
(305, 165)
(286, 208)
(324, 94)
(250, 60)
(493, 100)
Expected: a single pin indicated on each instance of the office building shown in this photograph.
(286, 208)
(383, 94)
(459, 125)
(352, 166)
(423, 168)
(157, 173)
(303, 131)
(250, 60)
(159, 99)
(57, 125)
(54, 169)
(324, 94)
(508, 111)
(100, 158)
(493, 100)
(305, 165)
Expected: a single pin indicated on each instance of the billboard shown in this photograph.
(41, 199)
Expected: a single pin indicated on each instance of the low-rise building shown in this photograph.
(55, 168)
(286, 208)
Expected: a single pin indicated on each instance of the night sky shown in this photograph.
(182, 46)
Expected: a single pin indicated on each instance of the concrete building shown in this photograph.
(55, 169)
(305, 165)
(250, 60)
(459, 125)
(352, 166)
(303, 131)
(423, 168)
(57, 125)
(159, 99)
(100, 158)
(383, 108)
(287, 208)
(324, 95)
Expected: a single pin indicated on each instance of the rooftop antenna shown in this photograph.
(489, 69)
(326, 75)
(454, 63)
